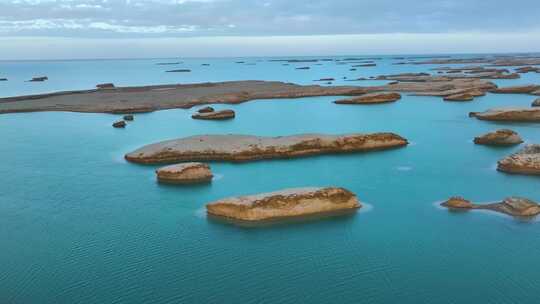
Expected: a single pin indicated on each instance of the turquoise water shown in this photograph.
(80, 225)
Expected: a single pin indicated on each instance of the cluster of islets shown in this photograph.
(463, 84)
(241, 148)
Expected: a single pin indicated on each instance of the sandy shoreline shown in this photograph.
(162, 97)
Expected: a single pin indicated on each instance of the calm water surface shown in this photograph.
(81, 225)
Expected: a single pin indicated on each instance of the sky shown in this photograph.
(47, 29)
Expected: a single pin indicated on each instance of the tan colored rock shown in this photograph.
(536, 93)
(514, 206)
(186, 173)
(457, 202)
(449, 92)
(215, 115)
(238, 148)
(526, 161)
(503, 137)
(509, 114)
(459, 97)
(525, 89)
(372, 98)
(476, 93)
(285, 204)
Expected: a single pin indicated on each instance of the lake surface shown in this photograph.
(81, 225)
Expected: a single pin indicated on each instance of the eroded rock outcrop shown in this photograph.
(526, 161)
(458, 202)
(372, 98)
(129, 117)
(509, 114)
(459, 97)
(215, 115)
(206, 110)
(524, 89)
(119, 124)
(514, 206)
(238, 148)
(186, 173)
(285, 204)
(536, 103)
(503, 137)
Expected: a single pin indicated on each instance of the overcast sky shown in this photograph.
(148, 28)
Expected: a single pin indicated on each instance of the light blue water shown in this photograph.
(80, 225)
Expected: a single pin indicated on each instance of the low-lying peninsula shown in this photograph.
(240, 148)
(285, 204)
(152, 98)
(514, 206)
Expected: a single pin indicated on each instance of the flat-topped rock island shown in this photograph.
(525, 161)
(185, 173)
(239, 148)
(143, 99)
(502, 137)
(509, 114)
(285, 204)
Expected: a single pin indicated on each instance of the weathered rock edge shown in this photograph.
(241, 148)
(502, 137)
(525, 161)
(285, 204)
(185, 173)
(509, 114)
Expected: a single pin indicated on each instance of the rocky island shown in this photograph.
(523, 89)
(215, 115)
(466, 96)
(503, 137)
(285, 204)
(514, 206)
(525, 161)
(186, 173)
(509, 114)
(119, 124)
(239, 148)
(372, 98)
